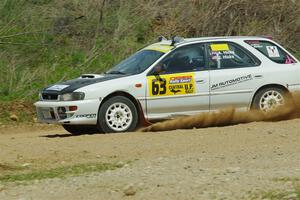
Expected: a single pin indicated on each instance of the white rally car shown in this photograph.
(174, 78)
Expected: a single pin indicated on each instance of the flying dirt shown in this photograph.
(230, 116)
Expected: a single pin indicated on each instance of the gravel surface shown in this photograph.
(235, 162)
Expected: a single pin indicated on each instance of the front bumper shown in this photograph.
(64, 112)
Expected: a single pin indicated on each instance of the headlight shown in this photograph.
(75, 96)
(40, 96)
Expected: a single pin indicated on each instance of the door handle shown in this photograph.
(200, 81)
(258, 76)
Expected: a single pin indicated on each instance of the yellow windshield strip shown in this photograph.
(161, 48)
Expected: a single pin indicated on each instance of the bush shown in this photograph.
(42, 42)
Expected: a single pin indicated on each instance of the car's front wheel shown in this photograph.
(269, 98)
(118, 114)
(80, 129)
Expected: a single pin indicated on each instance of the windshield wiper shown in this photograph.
(114, 72)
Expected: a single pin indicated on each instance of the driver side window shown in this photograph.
(184, 59)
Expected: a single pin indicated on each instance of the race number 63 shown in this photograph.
(159, 87)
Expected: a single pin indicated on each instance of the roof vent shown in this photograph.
(162, 38)
(87, 76)
(176, 39)
(90, 76)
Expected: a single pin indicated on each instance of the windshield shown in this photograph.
(136, 63)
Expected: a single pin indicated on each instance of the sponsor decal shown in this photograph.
(221, 51)
(231, 82)
(257, 46)
(89, 116)
(173, 84)
(272, 51)
(58, 87)
(222, 55)
(254, 43)
(289, 60)
(180, 79)
(219, 47)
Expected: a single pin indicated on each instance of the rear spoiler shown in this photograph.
(267, 37)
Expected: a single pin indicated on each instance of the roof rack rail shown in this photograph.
(176, 39)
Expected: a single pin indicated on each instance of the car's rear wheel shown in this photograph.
(268, 99)
(80, 129)
(118, 114)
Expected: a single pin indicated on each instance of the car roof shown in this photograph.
(232, 38)
(185, 40)
(166, 45)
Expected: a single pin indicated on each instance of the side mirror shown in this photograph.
(157, 69)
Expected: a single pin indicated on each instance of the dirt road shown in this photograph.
(260, 160)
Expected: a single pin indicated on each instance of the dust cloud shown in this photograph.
(230, 116)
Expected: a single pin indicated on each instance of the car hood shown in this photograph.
(84, 80)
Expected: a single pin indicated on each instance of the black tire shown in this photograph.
(259, 97)
(125, 104)
(81, 129)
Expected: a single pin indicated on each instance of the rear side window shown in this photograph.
(227, 55)
(272, 51)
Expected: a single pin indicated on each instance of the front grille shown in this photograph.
(46, 114)
(50, 97)
(62, 112)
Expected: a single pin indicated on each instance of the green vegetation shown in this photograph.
(45, 41)
(60, 172)
(279, 194)
(297, 54)
(285, 179)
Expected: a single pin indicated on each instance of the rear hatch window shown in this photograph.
(272, 51)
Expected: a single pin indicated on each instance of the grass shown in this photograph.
(297, 55)
(280, 194)
(60, 172)
(286, 179)
(47, 41)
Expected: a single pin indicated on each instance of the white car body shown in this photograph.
(210, 89)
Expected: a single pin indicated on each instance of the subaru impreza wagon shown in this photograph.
(174, 78)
